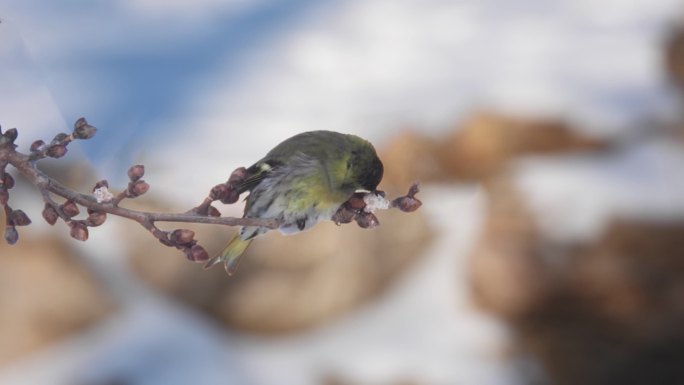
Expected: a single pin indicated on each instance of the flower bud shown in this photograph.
(83, 130)
(38, 145)
(136, 172)
(213, 212)
(219, 191)
(11, 134)
(343, 215)
(50, 214)
(69, 208)
(80, 123)
(182, 236)
(7, 182)
(101, 192)
(367, 220)
(19, 218)
(356, 202)
(231, 197)
(238, 176)
(407, 204)
(225, 193)
(57, 151)
(79, 230)
(197, 253)
(96, 218)
(137, 188)
(59, 139)
(11, 235)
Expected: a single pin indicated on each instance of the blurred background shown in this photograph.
(548, 137)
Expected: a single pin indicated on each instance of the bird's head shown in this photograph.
(363, 167)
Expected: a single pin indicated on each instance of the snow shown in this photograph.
(575, 197)
(375, 202)
(102, 194)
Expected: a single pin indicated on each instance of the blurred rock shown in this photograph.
(46, 294)
(604, 313)
(410, 157)
(486, 142)
(288, 283)
(674, 56)
(479, 148)
(507, 275)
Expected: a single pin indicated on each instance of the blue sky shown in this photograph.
(128, 69)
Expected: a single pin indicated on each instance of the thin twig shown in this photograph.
(45, 183)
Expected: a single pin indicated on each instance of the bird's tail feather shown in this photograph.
(230, 256)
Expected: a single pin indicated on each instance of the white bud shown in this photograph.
(102, 194)
(375, 202)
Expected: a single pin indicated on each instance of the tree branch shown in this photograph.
(101, 202)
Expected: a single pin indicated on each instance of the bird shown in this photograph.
(300, 182)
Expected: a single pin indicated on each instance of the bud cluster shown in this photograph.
(70, 209)
(53, 211)
(228, 192)
(83, 130)
(360, 207)
(137, 186)
(184, 239)
(409, 202)
(78, 229)
(57, 147)
(13, 218)
(354, 209)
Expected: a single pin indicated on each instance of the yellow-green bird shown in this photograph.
(300, 182)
